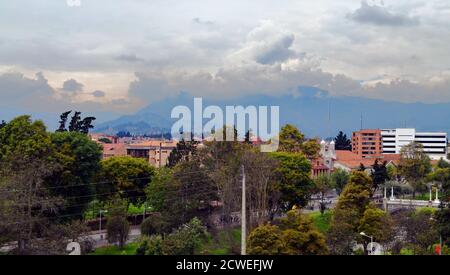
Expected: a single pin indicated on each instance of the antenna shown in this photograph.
(329, 117)
(361, 121)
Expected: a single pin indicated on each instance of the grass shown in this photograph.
(129, 249)
(426, 196)
(322, 222)
(94, 207)
(221, 242)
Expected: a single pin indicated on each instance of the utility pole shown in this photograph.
(243, 217)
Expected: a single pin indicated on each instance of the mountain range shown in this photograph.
(313, 111)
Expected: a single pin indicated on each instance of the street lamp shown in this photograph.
(100, 223)
(371, 240)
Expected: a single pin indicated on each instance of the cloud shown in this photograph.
(202, 22)
(381, 16)
(129, 58)
(15, 88)
(266, 44)
(98, 93)
(73, 86)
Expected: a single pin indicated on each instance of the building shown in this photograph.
(349, 161)
(114, 150)
(156, 152)
(367, 143)
(434, 143)
(325, 162)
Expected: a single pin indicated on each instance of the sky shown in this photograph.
(118, 56)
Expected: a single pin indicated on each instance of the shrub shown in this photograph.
(152, 225)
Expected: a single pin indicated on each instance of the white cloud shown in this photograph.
(139, 51)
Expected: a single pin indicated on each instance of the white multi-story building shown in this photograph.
(434, 143)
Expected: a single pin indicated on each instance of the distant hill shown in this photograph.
(312, 110)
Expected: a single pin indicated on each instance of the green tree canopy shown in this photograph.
(414, 166)
(340, 178)
(295, 183)
(296, 235)
(291, 139)
(126, 176)
(79, 158)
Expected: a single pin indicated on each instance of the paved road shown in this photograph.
(98, 237)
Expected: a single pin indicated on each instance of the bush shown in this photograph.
(117, 229)
(150, 246)
(152, 225)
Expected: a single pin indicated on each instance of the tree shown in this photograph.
(117, 226)
(186, 239)
(311, 149)
(2, 124)
(379, 174)
(295, 183)
(32, 173)
(443, 224)
(153, 225)
(291, 139)
(62, 122)
(126, 176)
(79, 158)
(183, 152)
(349, 210)
(322, 185)
(27, 206)
(76, 123)
(443, 164)
(342, 142)
(157, 193)
(341, 235)
(23, 137)
(300, 237)
(25, 203)
(105, 140)
(414, 166)
(265, 240)
(191, 191)
(421, 230)
(357, 193)
(339, 177)
(247, 137)
(183, 241)
(442, 176)
(150, 245)
(361, 168)
(296, 235)
(377, 223)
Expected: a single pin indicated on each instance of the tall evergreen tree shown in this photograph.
(379, 174)
(183, 151)
(62, 122)
(75, 122)
(342, 142)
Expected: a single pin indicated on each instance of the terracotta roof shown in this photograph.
(352, 160)
(154, 143)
